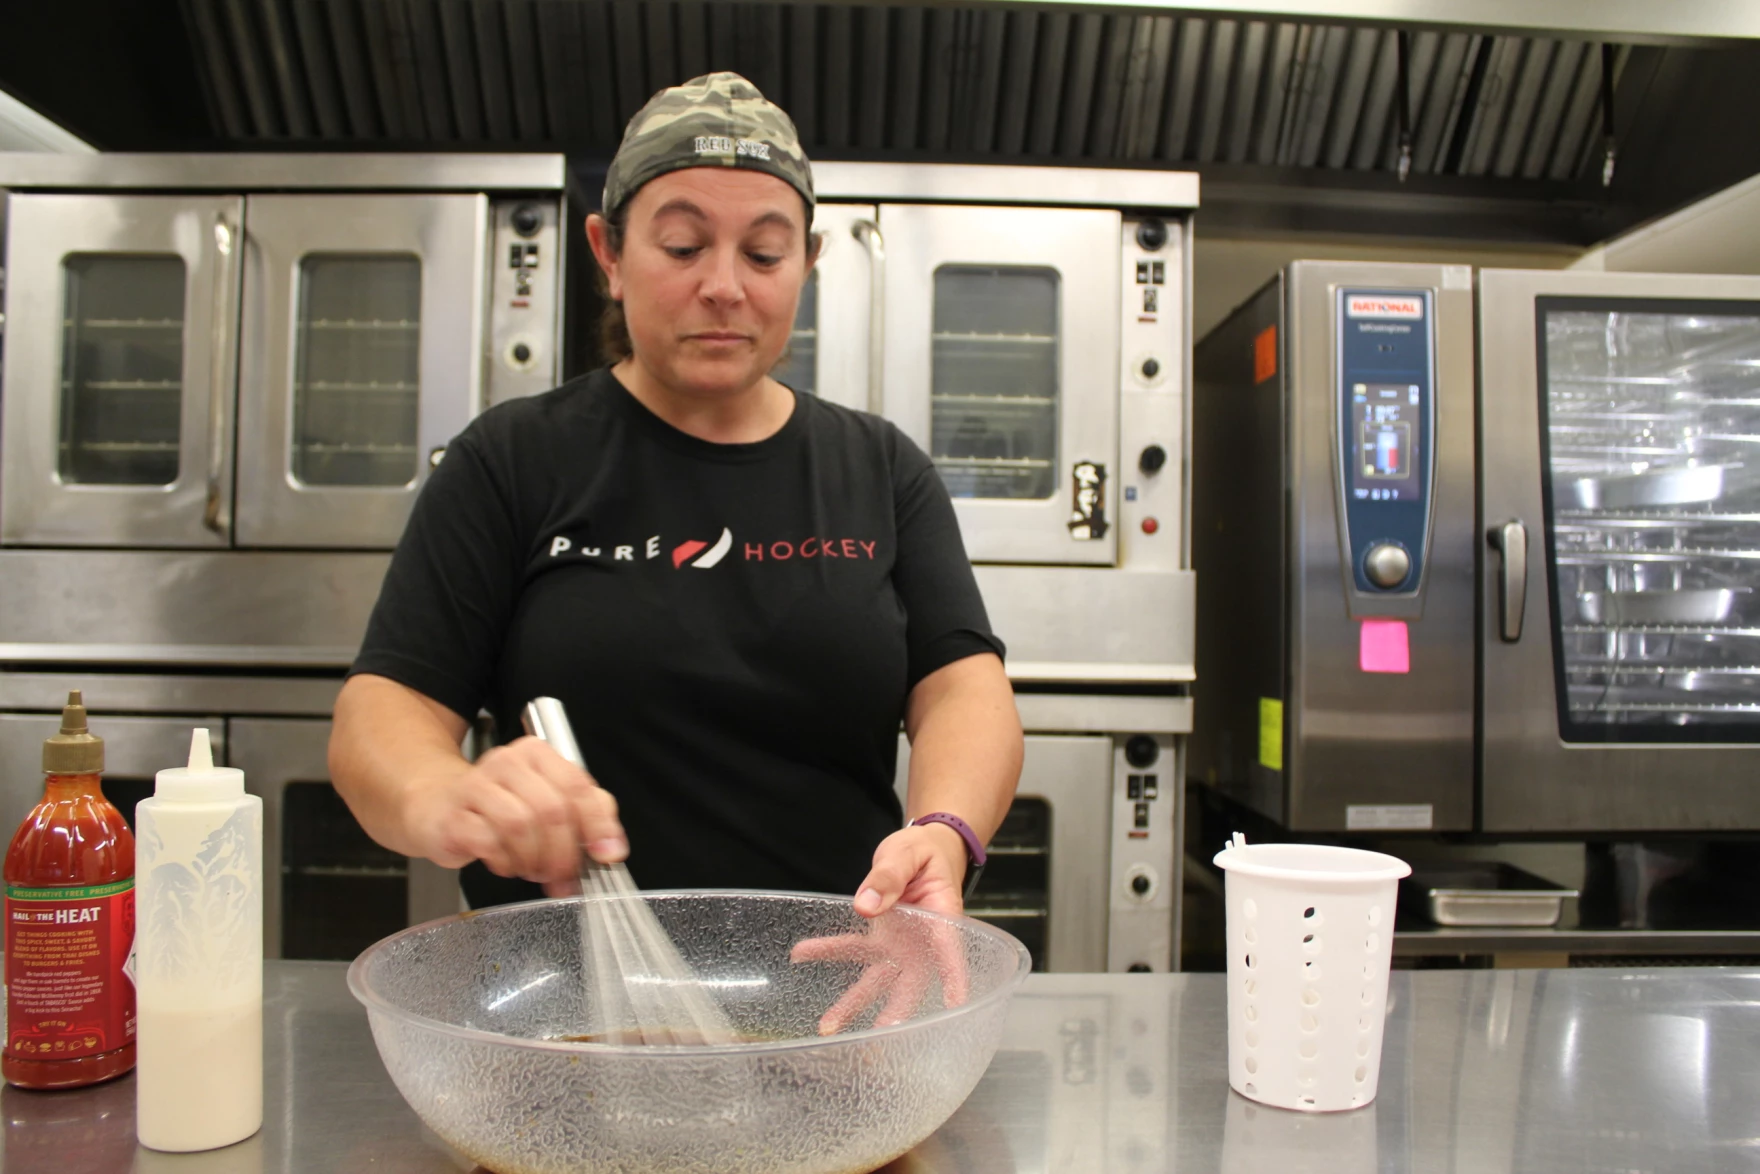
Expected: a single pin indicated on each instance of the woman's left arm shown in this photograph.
(966, 750)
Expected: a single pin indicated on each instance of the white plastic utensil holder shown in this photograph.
(1310, 939)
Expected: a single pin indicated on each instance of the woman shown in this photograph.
(737, 591)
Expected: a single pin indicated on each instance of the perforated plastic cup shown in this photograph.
(1310, 936)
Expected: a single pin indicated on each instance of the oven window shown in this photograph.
(340, 892)
(1014, 893)
(121, 369)
(1651, 413)
(994, 387)
(357, 370)
(799, 366)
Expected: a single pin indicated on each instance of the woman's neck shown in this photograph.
(745, 417)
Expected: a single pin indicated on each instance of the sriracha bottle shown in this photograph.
(69, 924)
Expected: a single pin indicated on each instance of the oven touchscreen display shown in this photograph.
(1385, 434)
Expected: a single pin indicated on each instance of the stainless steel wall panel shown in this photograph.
(284, 67)
(1182, 88)
(905, 115)
(525, 74)
(311, 34)
(1088, 36)
(1017, 88)
(1053, 58)
(1438, 83)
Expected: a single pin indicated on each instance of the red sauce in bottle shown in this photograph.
(70, 1017)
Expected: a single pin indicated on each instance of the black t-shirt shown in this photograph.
(733, 628)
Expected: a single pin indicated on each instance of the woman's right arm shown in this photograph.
(521, 809)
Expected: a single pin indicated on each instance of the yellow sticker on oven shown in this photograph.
(1270, 733)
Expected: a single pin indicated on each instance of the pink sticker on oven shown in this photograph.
(1382, 647)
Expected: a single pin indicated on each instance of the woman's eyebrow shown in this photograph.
(680, 204)
(773, 217)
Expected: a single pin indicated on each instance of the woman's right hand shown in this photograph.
(523, 810)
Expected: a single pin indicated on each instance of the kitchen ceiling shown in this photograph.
(1294, 125)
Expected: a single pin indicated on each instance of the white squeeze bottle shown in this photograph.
(199, 957)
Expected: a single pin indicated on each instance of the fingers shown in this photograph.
(861, 995)
(950, 963)
(853, 947)
(523, 811)
(898, 858)
(907, 990)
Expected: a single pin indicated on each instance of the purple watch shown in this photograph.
(975, 854)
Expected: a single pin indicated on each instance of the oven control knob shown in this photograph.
(1142, 882)
(526, 220)
(1152, 234)
(1387, 565)
(1141, 750)
(1151, 459)
(1140, 968)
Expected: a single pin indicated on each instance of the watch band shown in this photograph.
(976, 857)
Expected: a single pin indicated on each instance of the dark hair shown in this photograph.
(614, 343)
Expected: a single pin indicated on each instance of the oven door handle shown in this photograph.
(868, 233)
(1511, 541)
(213, 516)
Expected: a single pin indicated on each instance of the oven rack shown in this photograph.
(1686, 554)
(1661, 630)
(1681, 708)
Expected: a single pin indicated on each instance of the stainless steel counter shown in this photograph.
(1484, 1071)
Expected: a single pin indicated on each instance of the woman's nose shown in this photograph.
(721, 281)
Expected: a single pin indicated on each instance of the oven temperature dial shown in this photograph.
(521, 354)
(1141, 883)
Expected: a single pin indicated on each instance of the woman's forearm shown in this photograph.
(388, 739)
(966, 743)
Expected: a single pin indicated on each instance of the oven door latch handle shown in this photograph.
(1511, 540)
(868, 233)
(213, 516)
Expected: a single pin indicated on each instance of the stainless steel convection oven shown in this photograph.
(225, 380)
(1481, 552)
(1029, 328)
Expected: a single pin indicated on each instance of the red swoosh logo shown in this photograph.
(685, 550)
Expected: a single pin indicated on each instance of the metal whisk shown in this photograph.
(643, 989)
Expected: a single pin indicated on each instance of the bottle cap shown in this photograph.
(75, 750)
(201, 781)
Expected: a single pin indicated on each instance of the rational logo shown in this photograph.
(1383, 306)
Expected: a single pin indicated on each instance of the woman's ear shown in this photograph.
(599, 238)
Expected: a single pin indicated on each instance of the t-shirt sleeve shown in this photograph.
(945, 619)
(448, 596)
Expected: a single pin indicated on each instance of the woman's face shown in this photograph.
(712, 266)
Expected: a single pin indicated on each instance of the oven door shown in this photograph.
(830, 351)
(1048, 879)
(122, 315)
(1620, 420)
(136, 749)
(328, 890)
(1001, 360)
(363, 328)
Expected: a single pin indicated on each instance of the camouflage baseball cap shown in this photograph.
(717, 120)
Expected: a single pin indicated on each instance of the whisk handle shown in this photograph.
(547, 721)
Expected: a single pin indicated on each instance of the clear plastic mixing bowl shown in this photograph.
(472, 1016)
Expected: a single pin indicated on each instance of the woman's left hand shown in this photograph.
(922, 866)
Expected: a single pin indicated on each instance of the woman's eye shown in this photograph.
(765, 260)
(682, 252)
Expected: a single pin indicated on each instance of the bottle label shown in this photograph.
(66, 995)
